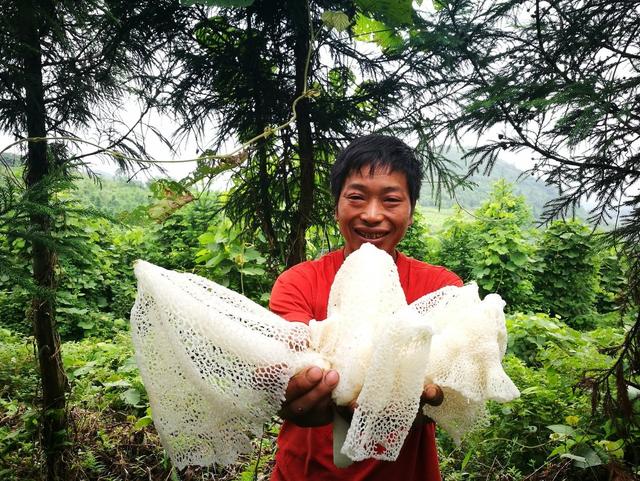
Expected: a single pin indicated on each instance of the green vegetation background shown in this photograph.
(562, 287)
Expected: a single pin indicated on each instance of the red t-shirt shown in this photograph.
(301, 294)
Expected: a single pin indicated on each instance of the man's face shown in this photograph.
(374, 208)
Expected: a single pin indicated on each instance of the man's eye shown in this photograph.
(355, 197)
(393, 200)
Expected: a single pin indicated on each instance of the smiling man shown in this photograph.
(375, 183)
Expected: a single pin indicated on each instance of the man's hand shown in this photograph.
(308, 397)
(433, 395)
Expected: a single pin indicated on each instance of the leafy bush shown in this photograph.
(529, 335)
(454, 251)
(495, 249)
(503, 254)
(417, 242)
(552, 420)
(230, 260)
(174, 242)
(568, 279)
(112, 435)
(612, 280)
(96, 290)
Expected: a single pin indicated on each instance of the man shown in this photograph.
(375, 182)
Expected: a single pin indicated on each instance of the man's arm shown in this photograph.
(308, 400)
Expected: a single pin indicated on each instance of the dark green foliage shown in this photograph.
(68, 66)
(568, 278)
(545, 359)
(496, 249)
(281, 188)
(455, 241)
(109, 412)
(504, 257)
(176, 240)
(613, 276)
(416, 242)
(108, 404)
(558, 81)
(228, 257)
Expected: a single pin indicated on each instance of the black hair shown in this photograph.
(377, 152)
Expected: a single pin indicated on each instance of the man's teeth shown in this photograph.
(371, 236)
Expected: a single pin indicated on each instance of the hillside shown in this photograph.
(112, 195)
(535, 192)
(10, 159)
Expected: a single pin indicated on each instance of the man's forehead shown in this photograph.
(361, 178)
(372, 168)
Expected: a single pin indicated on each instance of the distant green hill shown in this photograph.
(112, 195)
(535, 192)
(12, 160)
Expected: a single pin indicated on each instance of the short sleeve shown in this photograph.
(291, 295)
(448, 278)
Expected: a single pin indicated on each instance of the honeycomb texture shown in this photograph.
(216, 365)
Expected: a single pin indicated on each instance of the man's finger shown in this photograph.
(302, 383)
(318, 397)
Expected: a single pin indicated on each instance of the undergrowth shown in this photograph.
(112, 437)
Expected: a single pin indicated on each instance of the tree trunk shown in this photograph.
(265, 211)
(297, 244)
(54, 421)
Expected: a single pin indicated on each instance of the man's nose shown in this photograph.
(372, 212)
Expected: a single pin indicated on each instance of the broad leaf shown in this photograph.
(337, 20)
(394, 13)
(219, 3)
(131, 396)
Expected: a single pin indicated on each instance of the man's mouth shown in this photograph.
(371, 235)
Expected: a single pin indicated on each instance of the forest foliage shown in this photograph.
(290, 83)
(558, 337)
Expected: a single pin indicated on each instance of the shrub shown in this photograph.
(568, 279)
(454, 250)
(417, 242)
(551, 425)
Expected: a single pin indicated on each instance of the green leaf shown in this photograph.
(337, 20)
(142, 422)
(207, 238)
(439, 4)
(252, 271)
(394, 13)
(215, 261)
(466, 459)
(131, 397)
(129, 365)
(73, 310)
(219, 3)
(86, 325)
(369, 30)
(561, 429)
(88, 367)
(589, 460)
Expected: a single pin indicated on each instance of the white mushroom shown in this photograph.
(216, 365)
